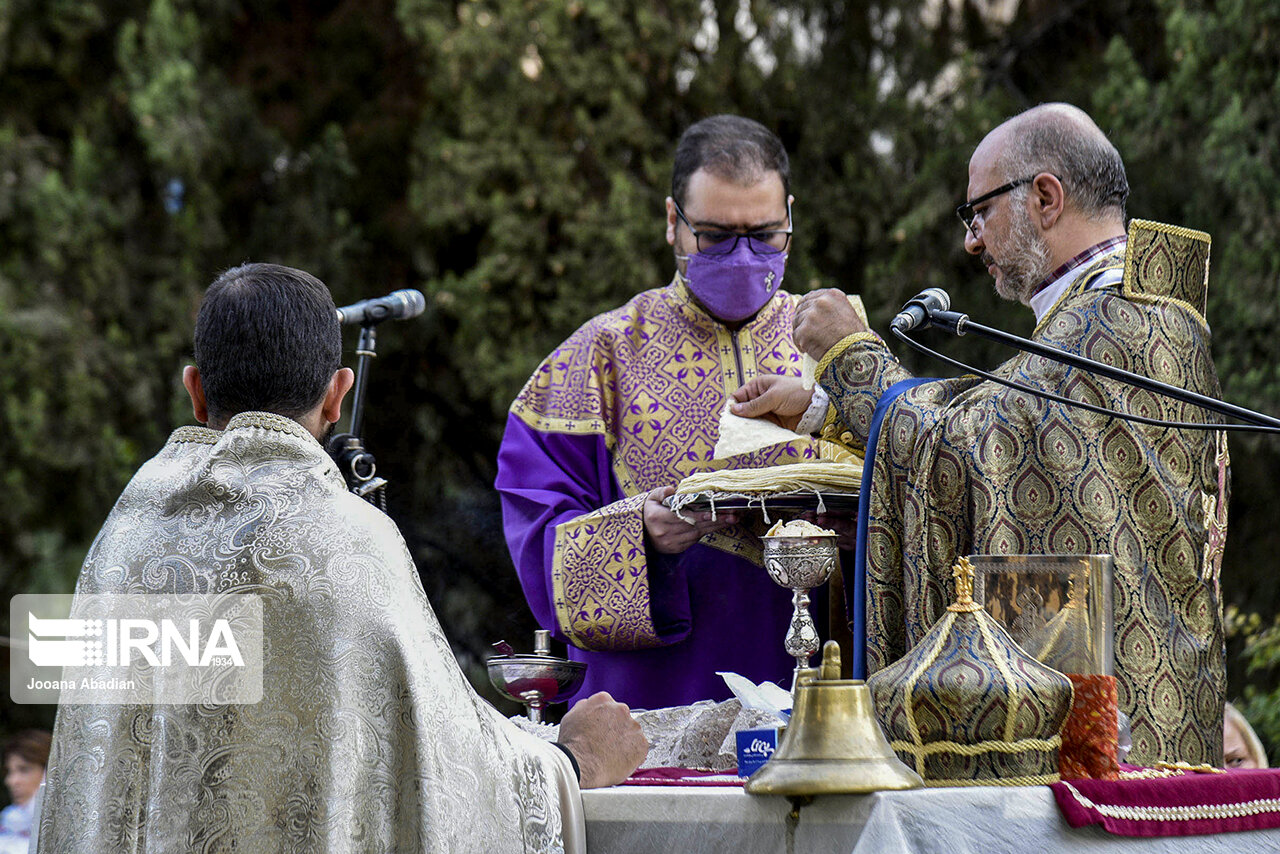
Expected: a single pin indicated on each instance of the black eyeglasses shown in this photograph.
(724, 242)
(967, 213)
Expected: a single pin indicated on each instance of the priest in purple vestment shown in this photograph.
(627, 407)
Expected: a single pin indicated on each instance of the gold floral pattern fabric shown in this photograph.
(368, 737)
(965, 466)
(651, 379)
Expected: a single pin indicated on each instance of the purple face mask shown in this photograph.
(735, 285)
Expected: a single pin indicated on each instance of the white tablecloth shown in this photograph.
(979, 820)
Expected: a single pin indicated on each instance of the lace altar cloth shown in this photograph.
(693, 740)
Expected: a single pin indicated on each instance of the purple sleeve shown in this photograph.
(547, 479)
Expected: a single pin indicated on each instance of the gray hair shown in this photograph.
(1063, 140)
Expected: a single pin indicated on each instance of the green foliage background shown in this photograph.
(510, 159)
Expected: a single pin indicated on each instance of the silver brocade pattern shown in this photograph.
(368, 737)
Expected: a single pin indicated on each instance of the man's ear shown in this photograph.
(671, 221)
(1049, 198)
(339, 385)
(195, 388)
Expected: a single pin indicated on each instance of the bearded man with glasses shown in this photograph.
(967, 466)
(627, 407)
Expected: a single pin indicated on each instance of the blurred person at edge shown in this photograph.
(1241, 747)
(25, 756)
(630, 405)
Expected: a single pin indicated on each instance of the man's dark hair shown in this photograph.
(267, 339)
(730, 147)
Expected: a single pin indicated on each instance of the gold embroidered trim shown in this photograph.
(1196, 813)
(269, 421)
(837, 350)
(1202, 768)
(1148, 774)
(197, 435)
(1131, 265)
(1024, 745)
(1035, 780)
(1166, 228)
(1169, 769)
(600, 579)
(731, 352)
(546, 424)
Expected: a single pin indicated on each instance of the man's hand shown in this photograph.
(605, 739)
(776, 398)
(670, 534)
(823, 319)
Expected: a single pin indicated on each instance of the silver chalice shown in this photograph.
(535, 680)
(801, 564)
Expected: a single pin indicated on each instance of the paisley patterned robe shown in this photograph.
(631, 402)
(368, 737)
(965, 466)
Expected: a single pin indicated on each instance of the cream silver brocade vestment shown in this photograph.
(368, 737)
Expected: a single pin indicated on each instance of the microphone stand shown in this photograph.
(347, 449)
(960, 324)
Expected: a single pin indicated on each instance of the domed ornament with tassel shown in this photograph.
(967, 706)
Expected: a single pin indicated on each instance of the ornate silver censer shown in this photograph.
(535, 680)
(801, 564)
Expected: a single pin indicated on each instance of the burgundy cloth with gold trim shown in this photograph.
(1188, 804)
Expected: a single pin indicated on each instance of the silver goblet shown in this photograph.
(801, 564)
(535, 680)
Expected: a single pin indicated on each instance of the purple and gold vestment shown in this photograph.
(629, 403)
(966, 466)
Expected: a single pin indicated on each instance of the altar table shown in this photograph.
(969, 820)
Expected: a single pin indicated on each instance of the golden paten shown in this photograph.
(833, 744)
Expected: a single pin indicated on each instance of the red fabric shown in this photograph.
(1257, 791)
(682, 777)
(1089, 736)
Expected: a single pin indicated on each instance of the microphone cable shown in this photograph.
(1100, 410)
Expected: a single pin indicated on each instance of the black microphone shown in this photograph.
(397, 305)
(917, 310)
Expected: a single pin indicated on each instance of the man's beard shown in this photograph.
(1026, 263)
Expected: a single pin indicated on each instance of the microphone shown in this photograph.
(918, 309)
(397, 305)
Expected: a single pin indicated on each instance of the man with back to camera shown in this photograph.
(966, 466)
(626, 408)
(367, 736)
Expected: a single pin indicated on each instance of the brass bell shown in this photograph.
(833, 744)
